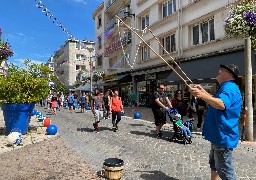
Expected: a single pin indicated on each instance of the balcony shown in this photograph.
(113, 5)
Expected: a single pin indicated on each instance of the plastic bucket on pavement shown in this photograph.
(113, 168)
(17, 116)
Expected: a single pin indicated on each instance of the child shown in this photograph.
(54, 102)
(184, 130)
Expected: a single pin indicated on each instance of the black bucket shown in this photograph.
(113, 168)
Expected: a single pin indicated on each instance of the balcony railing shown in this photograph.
(109, 3)
(112, 23)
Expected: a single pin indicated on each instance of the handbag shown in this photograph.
(201, 107)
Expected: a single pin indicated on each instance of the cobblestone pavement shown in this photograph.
(145, 156)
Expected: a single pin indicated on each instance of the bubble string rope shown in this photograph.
(144, 31)
(119, 19)
(170, 56)
(126, 59)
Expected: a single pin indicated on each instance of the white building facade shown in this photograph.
(73, 61)
(192, 31)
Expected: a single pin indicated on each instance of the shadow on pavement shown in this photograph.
(153, 175)
(166, 134)
(86, 129)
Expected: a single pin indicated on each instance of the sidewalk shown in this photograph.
(147, 114)
(79, 152)
(41, 156)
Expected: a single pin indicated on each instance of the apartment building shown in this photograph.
(191, 31)
(73, 61)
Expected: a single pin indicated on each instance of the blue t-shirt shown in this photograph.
(83, 99)
(70, 99)
(221, 126)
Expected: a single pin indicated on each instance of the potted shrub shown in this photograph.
(20, 90)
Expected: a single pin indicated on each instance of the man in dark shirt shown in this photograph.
(160, 105)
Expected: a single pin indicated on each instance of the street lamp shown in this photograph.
(90, 50)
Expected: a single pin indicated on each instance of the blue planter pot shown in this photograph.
(17, 116)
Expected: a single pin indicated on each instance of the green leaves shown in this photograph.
(25, 85)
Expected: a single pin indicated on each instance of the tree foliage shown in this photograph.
(25, 85)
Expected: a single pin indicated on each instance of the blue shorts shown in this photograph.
(220, 160)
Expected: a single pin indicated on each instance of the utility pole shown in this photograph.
(90, 50)
(248, 89)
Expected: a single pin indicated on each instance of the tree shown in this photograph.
(58, 86)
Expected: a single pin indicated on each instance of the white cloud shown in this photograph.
(79, 1)
(21, 34)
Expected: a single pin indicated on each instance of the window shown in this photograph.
(145, 53)
(99, 61)
(99, 21)
(144, 21)
(80, 45)
(169, 44)
(80, 57)
(168, 8)
(83, 46)
(203, 32)
(195, 34)
(77, 45)
(77, 67)
(126, 59)
(99, 42)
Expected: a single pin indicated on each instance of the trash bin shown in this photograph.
(113, 168)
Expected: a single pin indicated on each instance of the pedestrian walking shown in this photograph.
(70, 100)
(179, 103)
(97, 107)
(160, 104)
(54, 102)
(221, 122)
(83, 102)
(106, 100)
(116, 107)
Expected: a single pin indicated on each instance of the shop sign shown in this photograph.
(151, 76)
(109, 77)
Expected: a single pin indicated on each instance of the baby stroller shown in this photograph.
(178, 135)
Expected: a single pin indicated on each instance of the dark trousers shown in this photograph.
(116, 117)
(107, 110)
(200, 118)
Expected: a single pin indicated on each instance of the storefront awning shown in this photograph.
(207, 68)
(117, 78)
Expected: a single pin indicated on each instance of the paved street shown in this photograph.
(145, 156)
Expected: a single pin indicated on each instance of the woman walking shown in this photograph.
(116, 107)
(179, 103)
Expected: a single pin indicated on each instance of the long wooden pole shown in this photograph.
(170, 56)
(154, 51)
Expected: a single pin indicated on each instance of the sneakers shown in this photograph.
(116, 127)
(159, 135)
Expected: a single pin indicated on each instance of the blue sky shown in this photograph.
(34, 36)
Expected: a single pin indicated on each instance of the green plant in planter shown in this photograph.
(25, 85)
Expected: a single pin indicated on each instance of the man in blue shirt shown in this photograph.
(221, 122)
(70, 101)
